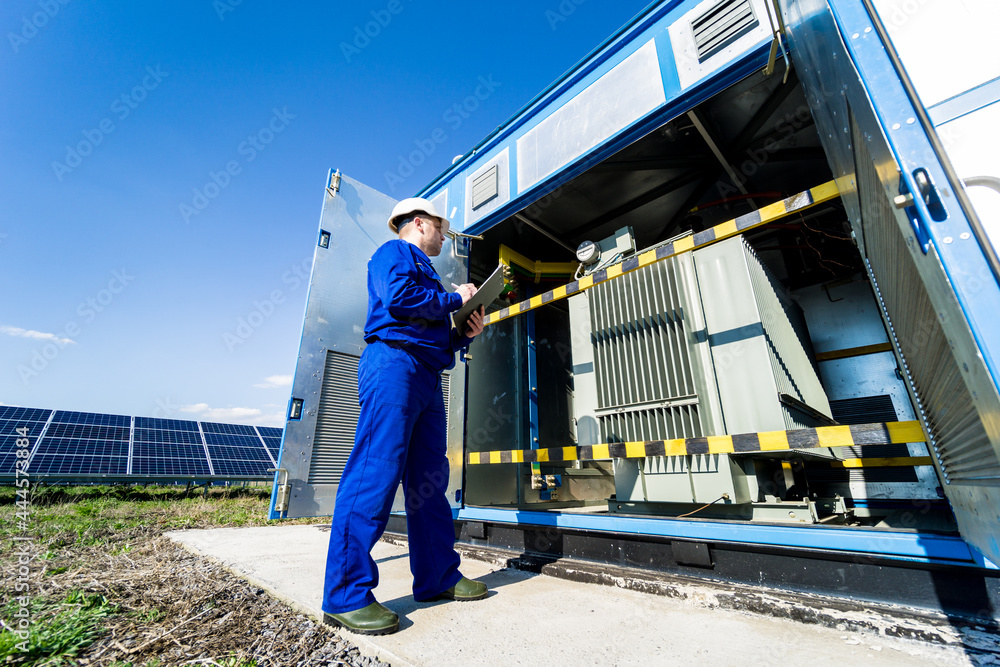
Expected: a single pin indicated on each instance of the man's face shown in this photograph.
(430, 235)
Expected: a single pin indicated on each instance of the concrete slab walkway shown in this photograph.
(536, 619)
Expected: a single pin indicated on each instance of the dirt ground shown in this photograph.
(187, 610)
(158, 604)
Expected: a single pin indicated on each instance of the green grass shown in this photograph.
(102, 515)
(59, 630)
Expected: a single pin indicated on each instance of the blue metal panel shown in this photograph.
(964, 263)
(913, 547)
(533, 430)
(652, 24)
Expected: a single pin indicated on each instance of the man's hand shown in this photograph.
(475, 322)
(467, 291)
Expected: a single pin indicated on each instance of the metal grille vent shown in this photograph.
(336, 420)
(485, 187)
(869, 410)
(865, 410)
(788, 347)
(446, 390)
(962, 446)
(722, 25)
(642, 359)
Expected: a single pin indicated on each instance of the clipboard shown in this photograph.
(486, 294)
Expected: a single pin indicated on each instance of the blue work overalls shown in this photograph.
(401, 433)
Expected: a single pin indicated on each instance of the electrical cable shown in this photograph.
(701, 508)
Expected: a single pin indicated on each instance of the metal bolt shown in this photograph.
(965, 236)
(948, 239)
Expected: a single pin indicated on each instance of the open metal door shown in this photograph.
(323, 410)
(924, 245)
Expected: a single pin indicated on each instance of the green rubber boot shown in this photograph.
(465, 590)
(375, 619)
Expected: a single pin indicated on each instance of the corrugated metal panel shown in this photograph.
(962, 446)
(787, 344)
(337, 419)
(446, 389)
(339, 410)
(642, 356)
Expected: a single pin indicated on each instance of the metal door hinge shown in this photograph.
(334, 186)
(284, 491)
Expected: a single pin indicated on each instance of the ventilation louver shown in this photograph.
(720, 26)
(485, 187)
(336, 420)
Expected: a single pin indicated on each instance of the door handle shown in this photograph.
(991, 182)
(918, 210)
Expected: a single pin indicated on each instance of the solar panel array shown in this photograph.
(236, 449)
(12, 418)
(68, 445)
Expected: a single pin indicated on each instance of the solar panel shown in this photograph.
(83, 443)
(166, 424)
(95, 418)
(87, 432)
(11, 419)
(9, 412)
(168, 447)
(273, 446)
(237, 454)
(164, 436)
(10, 427)
(272, 439)
(232, 429)
(181, 467)
(59, 464)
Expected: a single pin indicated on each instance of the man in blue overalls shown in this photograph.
(401, 429)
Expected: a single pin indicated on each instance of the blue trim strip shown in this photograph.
(534, 434)
(740, 68)
(571, 77)
(971, 100)
(912, 547)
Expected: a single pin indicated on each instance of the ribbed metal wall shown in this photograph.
(337, 419)
(642, 356)
(962, 445)
(446, 389)
(785, 332)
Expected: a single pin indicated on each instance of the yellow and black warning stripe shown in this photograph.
(889, 433)
(762, 216)
(884, 462)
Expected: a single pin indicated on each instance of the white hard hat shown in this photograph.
(408, 207)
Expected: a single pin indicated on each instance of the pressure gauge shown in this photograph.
(587, 253)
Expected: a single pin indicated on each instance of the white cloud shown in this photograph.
(38, 335)
(275, 381)
(237, 415)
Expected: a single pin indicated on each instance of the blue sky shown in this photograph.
(162, 168)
